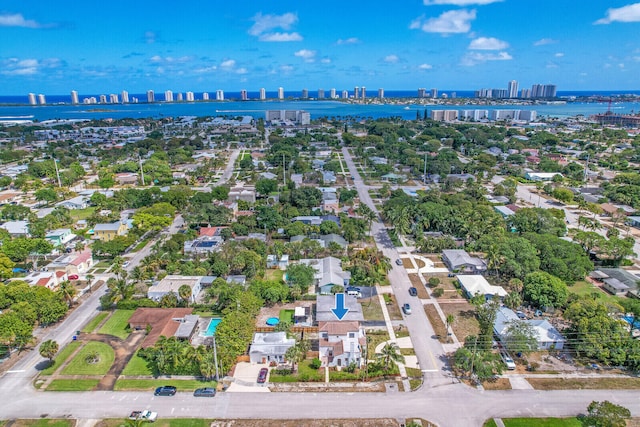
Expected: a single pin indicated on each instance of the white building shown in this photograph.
(341, 343)
(74, 97)
(151, 96)
(168, 96)
(205, 96)
(172, 283)
(41, 99)
(546, 335)
(190, 97)
(541, 176)
(125, 97)
(269, 347)
(32, 99)
(280, 93)
(512, 89)
(219, 95)
(263, 94)
(475, 284)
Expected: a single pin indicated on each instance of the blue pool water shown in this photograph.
(211, 329)
(272, 321)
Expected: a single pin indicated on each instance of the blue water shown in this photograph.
(211, 328)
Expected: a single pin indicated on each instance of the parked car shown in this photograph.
(399, 262)
(125, 264)
(167, 390)
(262, 376)
(73, 277)
(521, 315)
(413, 291)
(144, 415)
(205, 392)
(406, 308)
(508, 361)
(594, 366)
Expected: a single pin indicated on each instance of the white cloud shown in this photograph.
(263, 26)
(391, 59)
(150, 37)
(425, 66)
(205, 70)
(453, 21)
(488, 43)
(459, 2)
(628, 13)
(170, 59)
(474, 58)
(543, 42)
(242, 71)
(559, 54)
(286, 68)
(350, 40)
(306, 54)
(17, 20)
(326, 60)
(229, 63)
(27, 67)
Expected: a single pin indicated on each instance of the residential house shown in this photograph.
(274, 261)
(333, 238)
(308, 219)
(248, 194)
(504, 211)
(8, 197)
(475, 284)
(172, 283)
(17, 228)
(330, 202)
(546, 335)
(615, 286)
(78, 202)
(126, 178)
(341, 344)
(203, 245)
(541, 176)
(48, 279)
(74, 263)
(167, 322)
(60, 236)
(459, 260)
(328, 274)
(108, 231)
(239, 279)
(269, 347)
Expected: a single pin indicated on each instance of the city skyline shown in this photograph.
(462, 44)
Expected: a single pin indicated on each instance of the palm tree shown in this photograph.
(390, 353)
(67, 291)
(49, 349)
(367, 213)
(450, 319)
(297, 353)
(184, 292)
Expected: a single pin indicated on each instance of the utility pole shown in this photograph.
(586, 168)
(284, 172)
(141, 171)
(55, 163)
(424, 177)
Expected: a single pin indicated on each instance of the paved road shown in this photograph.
(428, 349)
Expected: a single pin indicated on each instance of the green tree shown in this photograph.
(297, 353)
(67, 291)
(520, 337)
(545, 290)
(606, 414)
(266, 186)
(47, 195)
(184, 292)
(6, 267)
(48, 349)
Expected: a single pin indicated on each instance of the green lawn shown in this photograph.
(585, 288)
(274, 274)
(95, 322)
(286, 316)
(141, 245)
(61, 357)
(490, 423)
(117, 324)
(77, 214)
(305, 373)
(72, 385)
(182, 385)
(80, 366)
(542, 422)
(137, 366)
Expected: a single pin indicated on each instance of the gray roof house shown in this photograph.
(459, 260)
(270, 347)
(330, 274)
(546, 335)
(325, 303)
(79, 202)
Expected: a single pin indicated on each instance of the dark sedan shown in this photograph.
(262, 376)
(167, 390)
(205, 392)
(413, 291)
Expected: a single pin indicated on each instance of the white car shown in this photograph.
(144, 415)
(508, 362)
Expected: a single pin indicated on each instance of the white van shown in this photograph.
(354, 293)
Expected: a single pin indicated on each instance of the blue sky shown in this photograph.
(95, 47)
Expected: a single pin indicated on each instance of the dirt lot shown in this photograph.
(438, 326)
(393, 308)
(497, 384)
(371, 308)
(465, 322)
(416, 283)
(623, 383)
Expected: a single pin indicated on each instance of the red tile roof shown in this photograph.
(43, 282)
(160, 320)
(82, 257)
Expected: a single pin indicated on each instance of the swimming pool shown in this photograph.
(211, 328)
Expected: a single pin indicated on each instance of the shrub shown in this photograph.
(438, 292)
(315, 363)
(433, 282)
(283, 371)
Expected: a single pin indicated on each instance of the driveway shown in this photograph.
(246, 376)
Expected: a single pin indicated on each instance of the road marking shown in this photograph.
(430, 370)
(15, 371)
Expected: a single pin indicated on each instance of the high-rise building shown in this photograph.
(345, 94)
(525, 93)
(205, 96)
(168, 96)
(512, 88)
(103, 99)
(190, 97)
(41, 99)
(32, 99)
(550, 91)
(280, 93)
(356, 92)
(113, 98)
(363, 93)
(219, 95)
(422, 92)
(151, 96)
(243, 95)
(332, 93)
(74, 97)
(125, 97)
(179, 97)
(263, 94)
(434, 93)
(381, 93)
(320, 93)
(305, 94)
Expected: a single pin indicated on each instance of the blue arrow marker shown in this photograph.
(340, 310)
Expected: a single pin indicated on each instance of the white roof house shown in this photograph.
(270, 346)
(541, 176)
(474, 284)
(546, 335)
(172, 283)
(17, 228)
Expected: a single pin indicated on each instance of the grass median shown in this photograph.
(151, 384)
(117, 324)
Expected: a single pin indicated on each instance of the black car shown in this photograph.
(205, 392)
(167, 390)
(413, 291)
